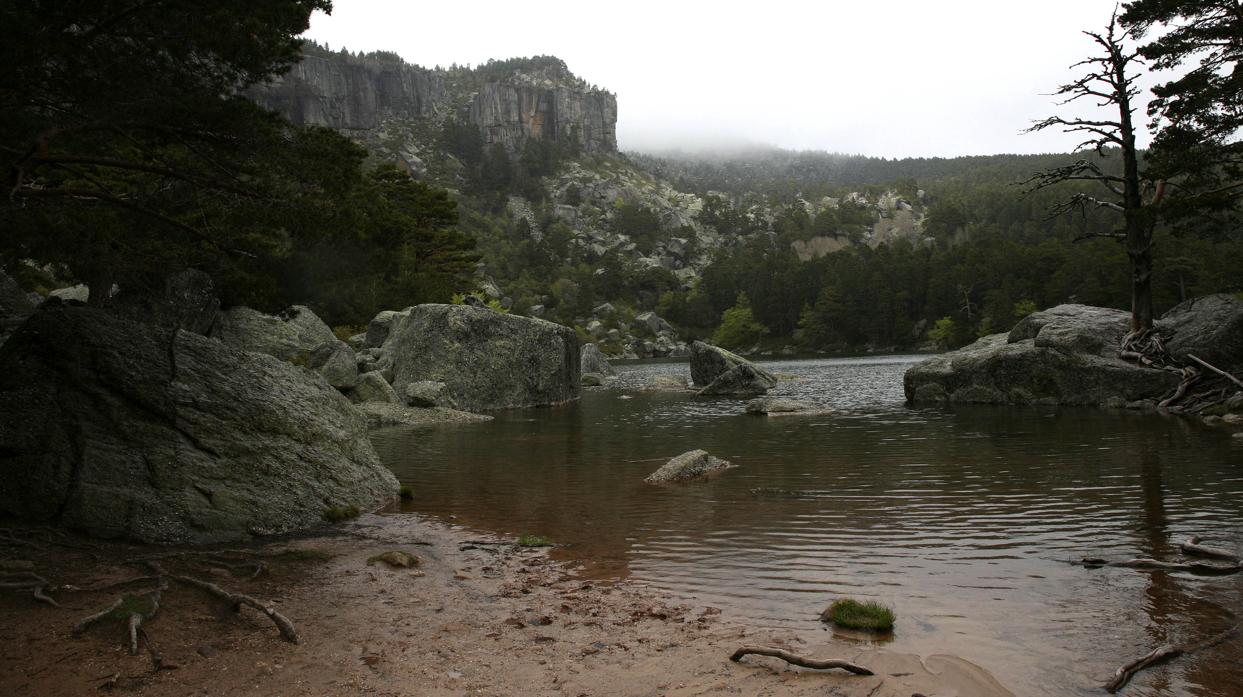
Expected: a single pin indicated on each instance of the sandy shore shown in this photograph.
(476, 616)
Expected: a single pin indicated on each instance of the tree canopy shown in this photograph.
(129, 151)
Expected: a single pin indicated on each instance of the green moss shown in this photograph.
(852, 614)
(534, 541)
(406, 492)
(336, 514)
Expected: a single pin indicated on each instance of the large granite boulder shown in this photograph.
(745, 380)
(372, 387)
(651, 322)
(593, 361)
(486, 359)
(120, 429)
(1065, 355)
(784, 406)
(1210, 328)
(710, 362)
(689, 466)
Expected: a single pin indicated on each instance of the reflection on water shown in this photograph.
(964, 519)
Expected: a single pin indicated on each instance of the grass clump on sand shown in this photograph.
(534, 541)
(852, 614)
(406, 492)
(336, 514)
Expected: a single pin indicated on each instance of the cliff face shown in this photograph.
(362, 95)
(510, 113)
(353, 95)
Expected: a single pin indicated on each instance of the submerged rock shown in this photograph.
(665, 383)
(486, 359)
(113, 427)
(781, 406)
(384, 415)
(593, 361)
(1063, 355)
(696, 464)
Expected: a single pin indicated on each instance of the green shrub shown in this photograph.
(406, 492)
(852, 614)
(738, 326)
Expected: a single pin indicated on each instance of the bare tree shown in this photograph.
(1109, 80)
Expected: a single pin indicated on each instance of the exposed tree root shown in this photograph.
(286, 628)
(1161, 654)
(30, 581)
(1219, 371)
(1195, 567)
(797, 660)
(1192, 547)
(89, 620)
(1148, 348)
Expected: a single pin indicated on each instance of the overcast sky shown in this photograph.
(886, 78)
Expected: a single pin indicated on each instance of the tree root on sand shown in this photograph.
(794, 659)
(1161, 654)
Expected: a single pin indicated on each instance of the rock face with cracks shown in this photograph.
(721, 372)
(121, 430)
(487, 360)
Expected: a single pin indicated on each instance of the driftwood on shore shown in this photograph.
(794, 659)
(1161, 654)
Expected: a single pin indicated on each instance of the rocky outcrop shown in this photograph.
(689, 466)
(1210, 328)
(429, 394)
(487, 360)
(380, 326)
(380, 94)
(593, 361)
(1063, 355)
(372, 387)
(352, 94)
(384, 415)
(510, 113)
(122, 430)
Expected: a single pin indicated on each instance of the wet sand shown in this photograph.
(476, 616)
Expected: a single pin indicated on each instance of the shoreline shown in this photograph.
(478, 615)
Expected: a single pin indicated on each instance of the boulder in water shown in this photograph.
(689, 466)
(783, 406)
(486, 359)
(1064, 355)
(741, 380)
(708, 363)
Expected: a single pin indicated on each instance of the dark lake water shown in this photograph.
(962, 519)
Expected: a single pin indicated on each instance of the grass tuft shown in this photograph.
(534, 541)
(406, 492)
(336, 514)
(852, 614)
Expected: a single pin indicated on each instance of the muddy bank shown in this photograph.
(475, 615)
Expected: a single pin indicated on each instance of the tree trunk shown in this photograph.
(1141, 286)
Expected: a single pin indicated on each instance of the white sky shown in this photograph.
(888, 78)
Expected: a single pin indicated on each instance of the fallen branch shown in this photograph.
(793, 659)
(1219, 371)
(286, 628)
(1195, 567)
(30, 581)
(92, 619)
(1161, 654)
(1193, 548)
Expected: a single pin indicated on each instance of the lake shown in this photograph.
(965, 520)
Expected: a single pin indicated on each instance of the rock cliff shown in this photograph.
(381, 95)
